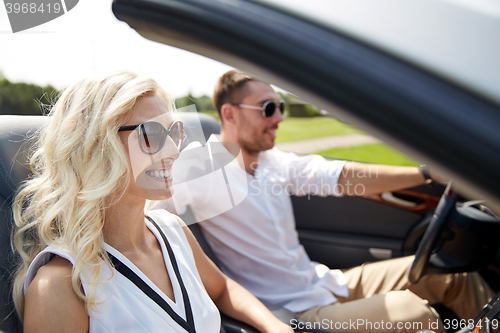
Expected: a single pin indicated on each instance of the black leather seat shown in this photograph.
(13, 170)
(14, 146)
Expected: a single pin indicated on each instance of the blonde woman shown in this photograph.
(91, 259)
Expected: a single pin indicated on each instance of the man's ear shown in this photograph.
(227, 113)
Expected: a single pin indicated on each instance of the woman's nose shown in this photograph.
(169, 150)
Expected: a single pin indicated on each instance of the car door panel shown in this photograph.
(341, 250)
(342, 232)
(408, 200)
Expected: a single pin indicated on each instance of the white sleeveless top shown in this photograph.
(132, 303)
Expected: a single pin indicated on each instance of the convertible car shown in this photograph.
(421, 75)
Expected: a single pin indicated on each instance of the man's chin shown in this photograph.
(266, 146)
(270, 144)
(257, 147)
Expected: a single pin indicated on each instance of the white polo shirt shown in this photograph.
(256, 241)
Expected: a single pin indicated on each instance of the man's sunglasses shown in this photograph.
(267, 109)
(152, 135)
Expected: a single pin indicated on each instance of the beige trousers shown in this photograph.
(381, 299)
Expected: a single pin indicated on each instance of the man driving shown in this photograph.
(257, 244)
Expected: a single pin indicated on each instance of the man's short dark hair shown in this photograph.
(230, 88)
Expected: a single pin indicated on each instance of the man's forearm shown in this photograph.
(368, 179)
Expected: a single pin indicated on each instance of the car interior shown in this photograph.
(355, 229)
(375, 90)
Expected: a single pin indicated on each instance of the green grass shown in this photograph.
(295, 129)
(372, 153)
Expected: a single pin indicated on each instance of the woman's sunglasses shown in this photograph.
(152, 135)
(267, 109)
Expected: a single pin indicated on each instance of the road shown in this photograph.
(315, 145)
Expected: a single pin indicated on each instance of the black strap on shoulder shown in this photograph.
(146, 289)
(187, 304)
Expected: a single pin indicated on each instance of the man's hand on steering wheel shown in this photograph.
(436, 226)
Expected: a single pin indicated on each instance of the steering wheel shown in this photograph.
(445, 206)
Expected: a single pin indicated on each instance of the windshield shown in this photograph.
(456, 39)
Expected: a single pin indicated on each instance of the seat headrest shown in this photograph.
(15, 132)
(14, 149)
(208, 124)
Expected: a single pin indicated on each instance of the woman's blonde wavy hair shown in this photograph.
(80, 167)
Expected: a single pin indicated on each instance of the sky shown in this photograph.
(88, 39)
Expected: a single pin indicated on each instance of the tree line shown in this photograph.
(31, 99)
(24, 98)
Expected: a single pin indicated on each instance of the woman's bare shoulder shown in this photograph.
(51, 305)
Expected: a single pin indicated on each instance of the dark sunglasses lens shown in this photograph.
(152, 137)
(177, 133)
(271, 107)
(282, 107)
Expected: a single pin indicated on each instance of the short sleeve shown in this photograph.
(309, 174)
